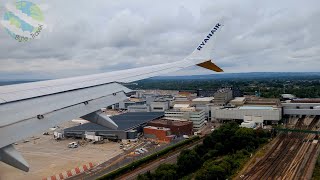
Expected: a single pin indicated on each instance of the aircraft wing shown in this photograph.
(31, 108)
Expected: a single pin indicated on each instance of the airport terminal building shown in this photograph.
(268, 113)
(129, 126)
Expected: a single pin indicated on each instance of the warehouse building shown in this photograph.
(238, 101)
(178, 128)
(197, 117)
(285, 97)
(203, 103)
(139, 108)
(181, 106)
(302, 107)
(206, 93)
(159, 105)
(129, 126)
(123, 105)
(259, 101)
(222, 96)
(159, 134)
(268, 113)
(181, 99)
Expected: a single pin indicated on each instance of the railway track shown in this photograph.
(291, 156)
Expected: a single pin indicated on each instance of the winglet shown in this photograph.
(11, 156)
(210, 65)
(202, 55)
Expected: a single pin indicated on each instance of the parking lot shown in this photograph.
(47, 156)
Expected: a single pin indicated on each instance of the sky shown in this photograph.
(86, 37)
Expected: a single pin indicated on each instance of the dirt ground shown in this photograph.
(47, 156)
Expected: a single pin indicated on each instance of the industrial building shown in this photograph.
(302, 107)
(259, 101)
(159, 106)
(222, 96)
(154, 106)
(268, 113)
(285, 97)
(181, 99)
(197, 117)
(160, 134)
(139, 108)
(129, 102)
(252, 122)
(181, 106)
(129, 125)
(178, 128)
(238, 101)
(203, 103)
(206, 93)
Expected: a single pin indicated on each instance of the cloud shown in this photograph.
(91, 37)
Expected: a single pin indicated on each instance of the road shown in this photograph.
(150, 167)
(115, 163)
(101, 169)
(121, 160)
(172, 158)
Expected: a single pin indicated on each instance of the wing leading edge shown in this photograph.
(48, 103)
(200, 56)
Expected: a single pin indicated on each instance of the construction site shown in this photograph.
(291, 155)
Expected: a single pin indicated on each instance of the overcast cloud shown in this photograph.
(85, 37)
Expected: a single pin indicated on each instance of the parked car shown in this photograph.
(73, 145)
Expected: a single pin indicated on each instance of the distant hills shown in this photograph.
(251, 75)
(9, 82)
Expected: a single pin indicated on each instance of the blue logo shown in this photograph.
(204, 42)
(23, 20)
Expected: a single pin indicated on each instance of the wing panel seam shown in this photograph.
(56, 110)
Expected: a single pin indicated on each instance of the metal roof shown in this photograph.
(257, 107)
(289, 96)
(203, 99)
(181, 105)
(124, 121)
(238, 99)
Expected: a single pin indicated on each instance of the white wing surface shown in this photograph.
(30, 108)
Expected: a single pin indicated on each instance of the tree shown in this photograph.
(145, 176)
(212, 172)
(166, 172)
(188, 161)
(245, 138)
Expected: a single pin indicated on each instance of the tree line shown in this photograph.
(220, 155)
(268, 88)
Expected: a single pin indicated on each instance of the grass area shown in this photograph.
(132, 166)
(316, 171)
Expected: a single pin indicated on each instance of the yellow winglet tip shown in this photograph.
(210, 65)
